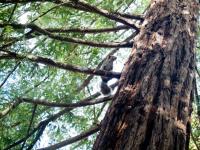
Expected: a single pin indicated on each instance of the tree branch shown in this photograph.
(72, 105)
(82, 5)
(37, 137)
(129, 16)
(60, 30)
(57, 64)
(75, 40)
(73, 139)
(87, 30)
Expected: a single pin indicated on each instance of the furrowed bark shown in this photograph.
(152, 107)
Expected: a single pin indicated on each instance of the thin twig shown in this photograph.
(17, 65)
(30, 124)
(9, 74)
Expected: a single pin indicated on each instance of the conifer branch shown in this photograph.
(57, 64)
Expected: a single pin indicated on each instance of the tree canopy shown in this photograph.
(51, 52)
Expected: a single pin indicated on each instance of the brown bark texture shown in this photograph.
(152, 107)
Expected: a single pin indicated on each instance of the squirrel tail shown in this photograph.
(105, 89)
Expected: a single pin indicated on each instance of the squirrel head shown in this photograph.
(111, 57)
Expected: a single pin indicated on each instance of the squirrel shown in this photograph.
(107, 66)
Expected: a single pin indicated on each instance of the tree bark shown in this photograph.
(152, 107)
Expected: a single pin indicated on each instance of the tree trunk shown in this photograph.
(152, 107)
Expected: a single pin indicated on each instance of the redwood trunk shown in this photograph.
(151, 109)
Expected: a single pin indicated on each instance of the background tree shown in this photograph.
(47, 56)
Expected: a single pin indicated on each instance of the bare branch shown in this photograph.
(60, 30)
(46, 12)
(87, 30)
(74, 40)
(57, 64)
(129, 16)
(72, 105)
(9, 74)
(73, 139)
